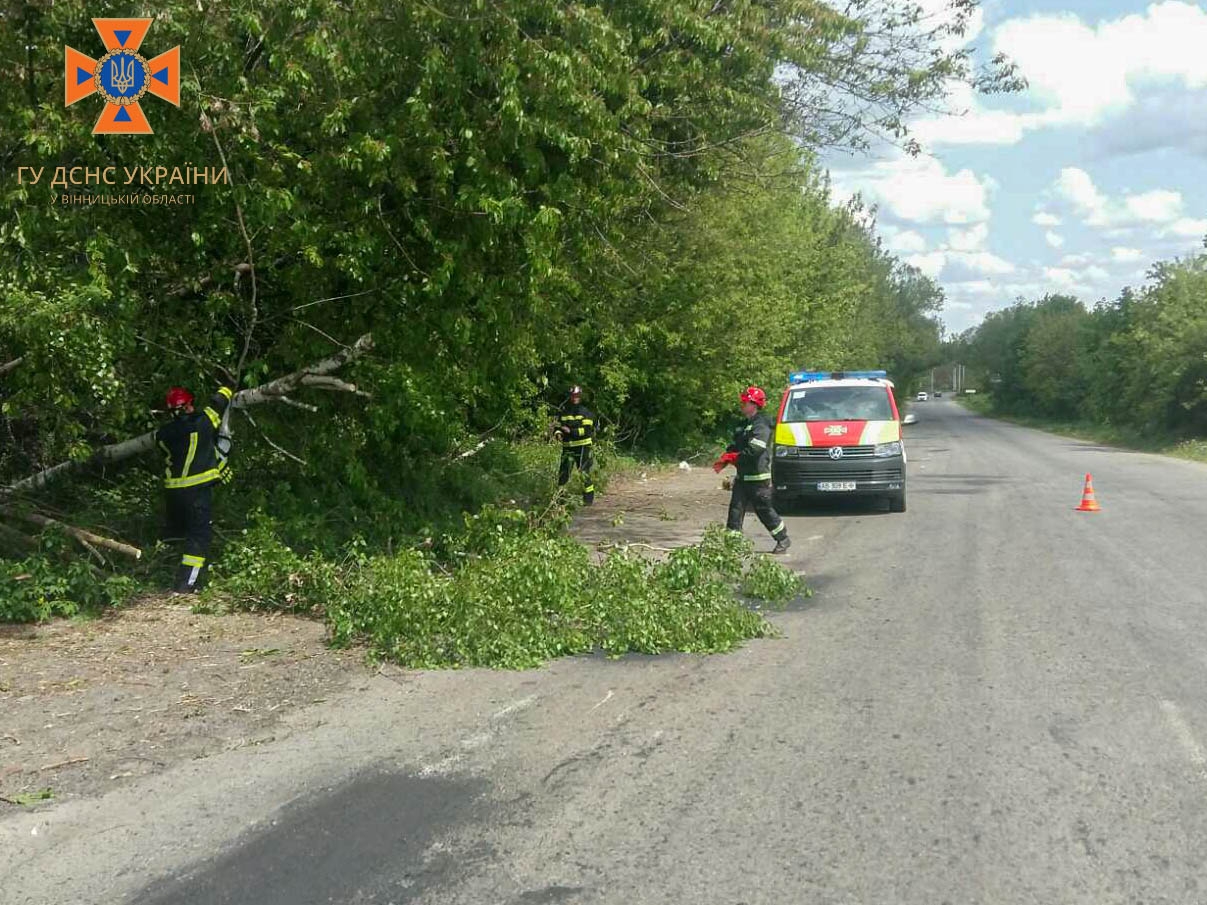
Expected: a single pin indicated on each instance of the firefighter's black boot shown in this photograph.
(782, 545)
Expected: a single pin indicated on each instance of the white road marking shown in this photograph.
(604, 701)
(817, 537)
(475, 741)
(1186, 736)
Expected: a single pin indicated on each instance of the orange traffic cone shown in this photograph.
(1088, 502)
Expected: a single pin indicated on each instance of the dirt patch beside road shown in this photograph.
(664, 509)
(89, 705)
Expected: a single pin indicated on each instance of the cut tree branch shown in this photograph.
(331, 383)
(273, 391)
(9, 365)
(86, 538)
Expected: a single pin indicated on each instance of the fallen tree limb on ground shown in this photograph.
(87, 538)
(273, 391)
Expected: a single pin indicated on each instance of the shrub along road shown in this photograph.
(991, 698)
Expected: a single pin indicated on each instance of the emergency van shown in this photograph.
(839, 434)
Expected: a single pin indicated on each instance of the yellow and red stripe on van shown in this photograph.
(837, 433)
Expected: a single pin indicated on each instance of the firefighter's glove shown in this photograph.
(729, 458)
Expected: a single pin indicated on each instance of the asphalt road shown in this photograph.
(991, 699)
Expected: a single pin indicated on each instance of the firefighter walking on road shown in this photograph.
(576, 428)
(192, 445)
(750, 451)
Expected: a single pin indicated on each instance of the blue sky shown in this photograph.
(1078, 185)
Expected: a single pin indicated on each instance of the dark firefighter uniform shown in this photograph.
(193, 465)
(576, 426)
(752, 486)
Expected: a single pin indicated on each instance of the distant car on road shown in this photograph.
(922, 397)
(938, 395)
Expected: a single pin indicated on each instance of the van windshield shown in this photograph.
(869, 403)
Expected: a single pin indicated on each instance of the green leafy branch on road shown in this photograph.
(505, 593)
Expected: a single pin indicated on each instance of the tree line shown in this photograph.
(1137, 362)
(505, 195)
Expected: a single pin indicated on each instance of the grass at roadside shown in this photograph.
(1105, 434)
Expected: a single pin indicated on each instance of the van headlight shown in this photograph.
(781, 451)
(884, 450)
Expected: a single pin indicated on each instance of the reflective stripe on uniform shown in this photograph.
(226, 391)
(570, 443)
(590, 488)
(759, 444)
(778, 529)
(188, 459)
(167, 455)
(190, 560)
(587, 422)
(215, 418)
(203, 477)
(757, 477)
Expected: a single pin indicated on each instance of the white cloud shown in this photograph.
(905, 241)
(1076, 261)
(1077, 189)
(1054, 239)
(1126, 255)
(975, 287)
(1085, 73)
(1043, 218)
(986, 262)
(974, 126)
(1188, 228)
(968, 239)
(1065, 279)
(1158, 206)
(930, 264)
(1075, 186)
(919, 190)
(971, 266)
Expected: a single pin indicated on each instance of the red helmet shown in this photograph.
(178, 397)
(755, 395)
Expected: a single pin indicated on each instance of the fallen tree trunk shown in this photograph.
(273, 391)
(9, 365)
(84, 537)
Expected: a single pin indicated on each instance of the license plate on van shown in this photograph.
(836, 485)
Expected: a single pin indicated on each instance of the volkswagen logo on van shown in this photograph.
(836, 452)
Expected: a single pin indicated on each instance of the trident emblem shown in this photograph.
(122, 76)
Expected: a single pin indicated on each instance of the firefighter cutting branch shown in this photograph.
(750, 451)
(196, 447)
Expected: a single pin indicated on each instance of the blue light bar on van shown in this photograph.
(806, 376)
(867, 375)
(809, 376)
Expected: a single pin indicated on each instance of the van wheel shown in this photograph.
(896, 502)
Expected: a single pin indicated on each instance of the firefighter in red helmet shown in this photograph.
(190, 443)
(750, 451)
(576, 428)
